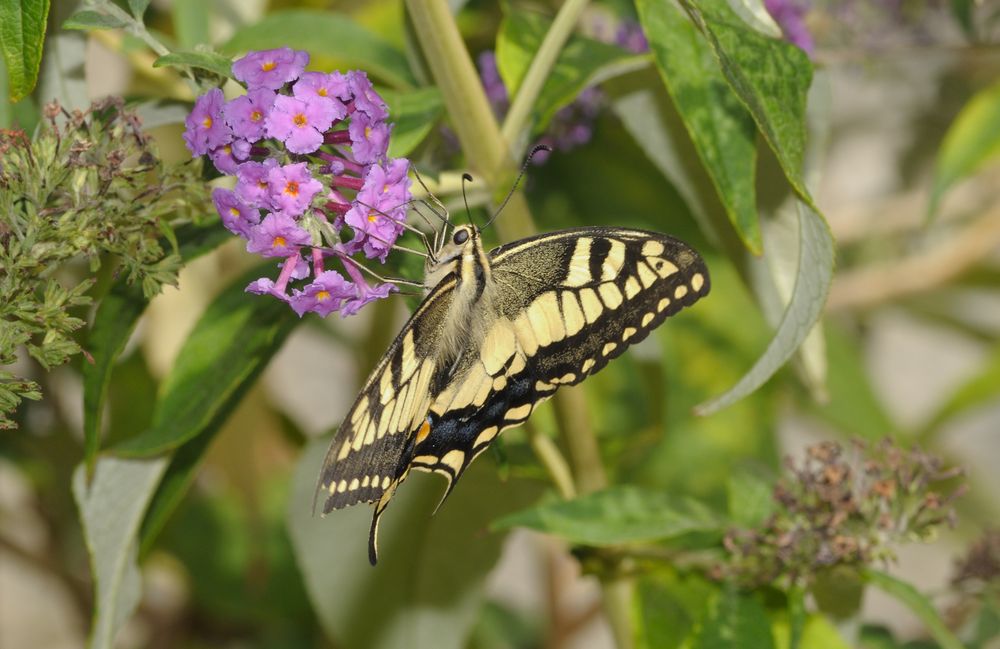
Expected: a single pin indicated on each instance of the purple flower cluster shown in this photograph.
(309, 153)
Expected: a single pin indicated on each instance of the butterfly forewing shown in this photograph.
(368, 453)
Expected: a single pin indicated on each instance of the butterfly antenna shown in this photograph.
(524, 168)
(466, 178)
(445, 218)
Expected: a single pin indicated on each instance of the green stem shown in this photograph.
(471, 116)
(463, 95)
(552, 459)
(573, 419)
(135, 27)
(516, 128)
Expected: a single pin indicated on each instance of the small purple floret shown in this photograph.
(247, 113)
(300, 123)
(365, 295)
(380, 209)
(369, 138)
(252, 186)
(270, 68)
(365, 98)
(324, 295)
(237, 216)
(206, 128)
(277, 236)
(292, 188)
(227, 157)
(324, 88)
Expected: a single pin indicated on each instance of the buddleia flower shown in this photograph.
(314, 183)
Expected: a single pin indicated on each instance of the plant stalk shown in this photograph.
(516, 126)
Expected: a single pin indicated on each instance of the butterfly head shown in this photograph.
(464, 243)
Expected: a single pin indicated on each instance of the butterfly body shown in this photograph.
(499, 333)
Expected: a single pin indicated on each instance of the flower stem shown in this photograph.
(464, 98)
(516, 128)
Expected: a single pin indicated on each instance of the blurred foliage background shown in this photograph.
(904, 124)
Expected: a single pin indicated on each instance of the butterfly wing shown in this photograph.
(369, 456)
(564, 303)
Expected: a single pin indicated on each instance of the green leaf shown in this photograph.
(414, 115)
(668, 608)
(972, 141)
(583, 62)
(918, 604)
(620, 514)
(771, 76)
(111, 508)
(22, 35)
(427, 588)
(734, 620)
(191, 19)
(138, 8)
(114, 323)
(323, 33)
(229, 346)
(815, 632)
(211, 61)
(812, 282)
(175, 482)
(722, 130)
(876, 637)
(88, 19)
(750, 499)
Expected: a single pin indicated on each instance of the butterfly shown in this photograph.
(500, 332)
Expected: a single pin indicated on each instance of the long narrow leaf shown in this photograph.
(816, 258)
(918, 603)
(771, 77)
(229, 346)
(22, 34)
(111, 508)
(723, 132)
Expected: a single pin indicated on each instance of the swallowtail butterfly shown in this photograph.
(499, 332)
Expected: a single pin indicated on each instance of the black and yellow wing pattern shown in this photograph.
(555, 309)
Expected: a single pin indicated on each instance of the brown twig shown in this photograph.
(866, 287)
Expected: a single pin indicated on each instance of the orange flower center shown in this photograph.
(322, 296)
(279, 242)
(207, 122)
(235, 212)
(256, 116)
(321, 92)
(262, 184)
(267, 66)
(292, 188)
(300, 120)
(372, 216)
(368, 131)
